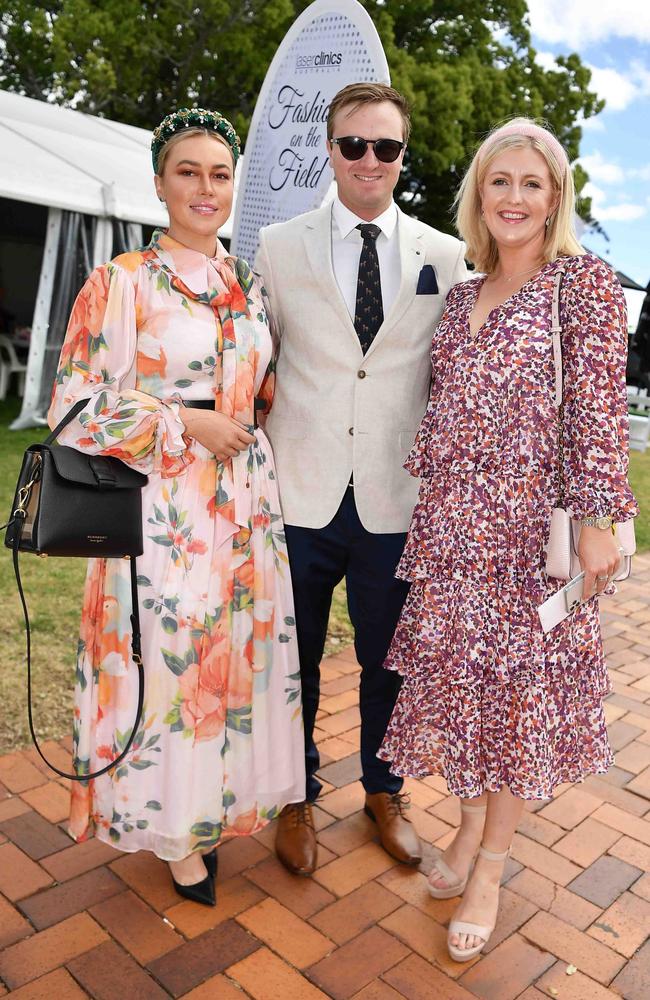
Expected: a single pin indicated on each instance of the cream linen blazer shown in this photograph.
(336, 412)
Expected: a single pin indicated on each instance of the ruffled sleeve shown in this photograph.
(594, 343)
(98, 361)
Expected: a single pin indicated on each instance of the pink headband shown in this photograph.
(533, 132)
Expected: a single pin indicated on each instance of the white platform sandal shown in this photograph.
(455, 885)
(478, 930)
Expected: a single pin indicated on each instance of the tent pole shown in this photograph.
(40, 322)
(103, 244)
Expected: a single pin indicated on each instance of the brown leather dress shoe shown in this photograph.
(396, 832)
(295, 840)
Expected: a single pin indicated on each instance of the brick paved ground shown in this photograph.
(83, 920)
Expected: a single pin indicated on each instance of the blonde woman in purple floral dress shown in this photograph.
(503, 711)
(172, 346)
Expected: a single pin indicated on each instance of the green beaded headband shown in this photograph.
(192, 118)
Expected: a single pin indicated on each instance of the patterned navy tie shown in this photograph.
(369, 311)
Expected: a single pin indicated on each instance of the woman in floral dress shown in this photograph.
(502, 710)
(219, 750)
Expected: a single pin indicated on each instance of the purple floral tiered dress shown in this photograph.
(487, 698)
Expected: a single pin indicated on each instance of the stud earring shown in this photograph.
(548, 222)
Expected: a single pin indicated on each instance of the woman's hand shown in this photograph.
(599, 556)
(224, 436)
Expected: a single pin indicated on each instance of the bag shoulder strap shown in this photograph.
(70, 415)
(137, 658)
(556, 342)
(556, 334)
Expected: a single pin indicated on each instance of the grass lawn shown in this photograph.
(640, 483)
(54, 589)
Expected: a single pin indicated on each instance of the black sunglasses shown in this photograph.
(353, 147)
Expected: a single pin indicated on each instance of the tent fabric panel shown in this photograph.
(31, 173)
(27, 111)
(132, 133)
(125, 169)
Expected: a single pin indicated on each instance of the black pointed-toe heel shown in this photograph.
(199, 892)
(210, 862)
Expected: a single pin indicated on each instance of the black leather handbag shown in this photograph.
(71, 504)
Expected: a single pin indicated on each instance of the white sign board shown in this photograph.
(286, 170)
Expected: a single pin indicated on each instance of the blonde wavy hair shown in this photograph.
(560, 237)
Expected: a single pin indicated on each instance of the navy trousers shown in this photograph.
(319, 559)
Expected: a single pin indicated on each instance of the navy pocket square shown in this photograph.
(427, 284)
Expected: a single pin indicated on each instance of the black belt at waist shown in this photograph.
(208, 404)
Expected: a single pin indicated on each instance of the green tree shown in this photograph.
(135, 60)
(463, 66)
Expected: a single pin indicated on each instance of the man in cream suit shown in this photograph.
(356, 290)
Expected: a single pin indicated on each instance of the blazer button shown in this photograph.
(361, 374)
(351, 430)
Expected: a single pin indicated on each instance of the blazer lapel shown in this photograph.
(411, 252)
(318, 245)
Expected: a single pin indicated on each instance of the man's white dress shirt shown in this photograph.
(346, 250)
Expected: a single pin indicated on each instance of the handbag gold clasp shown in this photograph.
(25, 491)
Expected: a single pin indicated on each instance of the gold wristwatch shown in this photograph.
(604, 523)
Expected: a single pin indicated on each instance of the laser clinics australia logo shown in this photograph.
(319, 60)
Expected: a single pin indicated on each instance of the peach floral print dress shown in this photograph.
(219, 750)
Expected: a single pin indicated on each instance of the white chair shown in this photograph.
(640, 421)
(639, 432)
(9, 364)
